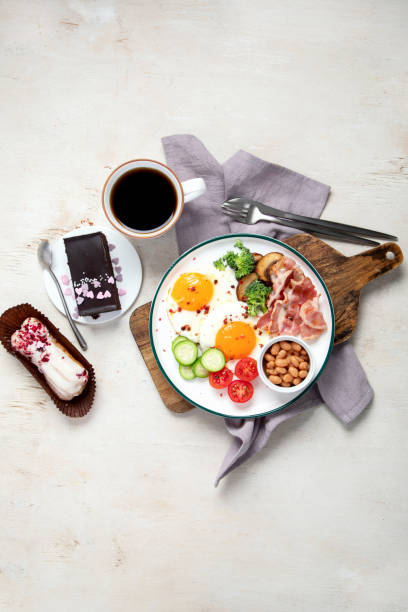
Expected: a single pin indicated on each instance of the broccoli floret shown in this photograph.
(219, 264)
(256, 295)
(242, 263)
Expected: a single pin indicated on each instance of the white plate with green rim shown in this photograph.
(198, 391)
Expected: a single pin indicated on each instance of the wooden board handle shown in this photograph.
(372, 263)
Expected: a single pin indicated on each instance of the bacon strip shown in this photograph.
(293, 305)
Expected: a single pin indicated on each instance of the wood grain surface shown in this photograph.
(344, 278)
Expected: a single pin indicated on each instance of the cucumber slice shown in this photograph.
(186, 352)
(176, 340)
(213, 360)
(199, 370)
(186, 372)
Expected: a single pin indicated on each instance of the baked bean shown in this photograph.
(282, 363)
(287, 346)
(303, 365)
(268, 357)
(303, 352)
(275, 348)
(276, 380)
(302, 374)
(293, 371)
(294, 361)
(296, 347)
(281, 355)
(288, 378)
(296, 381)
(281, 370)
(284, 384)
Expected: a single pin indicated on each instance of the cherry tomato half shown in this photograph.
(240, 391)
(221, 379)
(246, 369)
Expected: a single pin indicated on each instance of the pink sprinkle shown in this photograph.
(122, 292)
(107, 294)
(79, 300)
(65, 279)
(119, 278)
(78, 290)
(75, 313)
(99, 296)
(115, 261)
(90, 294)
(96, 283)
(118, 269)
(68, 291)
(111, 246)
(85, 288)
(111, 280)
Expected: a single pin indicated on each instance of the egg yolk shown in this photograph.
(236, 340)
(192, 291)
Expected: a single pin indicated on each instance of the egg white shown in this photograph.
(224, 291)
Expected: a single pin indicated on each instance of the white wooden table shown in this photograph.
(117, 512)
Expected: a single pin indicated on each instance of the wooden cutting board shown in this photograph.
(344, 278)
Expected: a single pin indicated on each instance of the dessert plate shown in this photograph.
(125, 261)
(198, 391)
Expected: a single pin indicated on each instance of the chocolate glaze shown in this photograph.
(92, 274)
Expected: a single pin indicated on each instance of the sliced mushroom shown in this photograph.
(265, 263)
(243, 283)
(257, 257)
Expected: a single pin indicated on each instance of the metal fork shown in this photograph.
(249, 212)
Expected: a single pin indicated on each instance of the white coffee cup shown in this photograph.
(185, 191)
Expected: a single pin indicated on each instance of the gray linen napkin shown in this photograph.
(245, 175)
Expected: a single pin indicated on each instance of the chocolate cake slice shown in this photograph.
(92, 274)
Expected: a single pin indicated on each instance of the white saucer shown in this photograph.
(129, 276)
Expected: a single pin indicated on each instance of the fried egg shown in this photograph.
(195, 294)
(231, 330)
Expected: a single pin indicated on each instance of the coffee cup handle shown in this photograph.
(193, 188)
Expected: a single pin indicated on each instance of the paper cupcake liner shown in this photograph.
(10, 321)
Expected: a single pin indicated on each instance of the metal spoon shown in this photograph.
(44, 255)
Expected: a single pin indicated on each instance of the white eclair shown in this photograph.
(64, 374)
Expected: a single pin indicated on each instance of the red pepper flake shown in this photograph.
(194, 258)
(192, 288)
(261, 346)
(179, 309)
(225, 321)
(157, 329)
(159, 318)
(260, 333)
(229, 292)
(198, 311)
(215, 282)
(221, 394)
(232, 286)
(164, 350)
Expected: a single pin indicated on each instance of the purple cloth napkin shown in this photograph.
(245, 175)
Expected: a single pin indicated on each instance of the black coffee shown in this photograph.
(143, 199)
